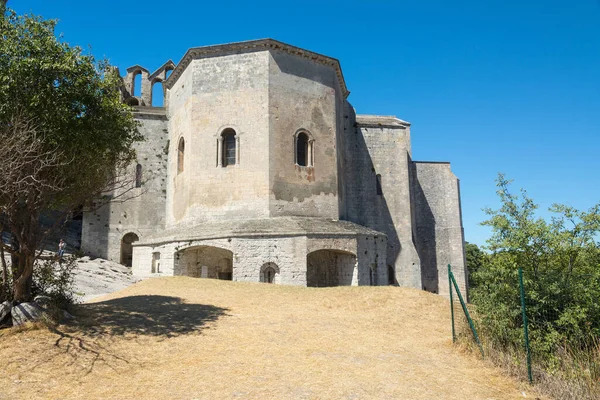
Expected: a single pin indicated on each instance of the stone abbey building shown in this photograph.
(258, 169)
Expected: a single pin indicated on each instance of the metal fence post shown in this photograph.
(466, 311)
(525, 325)
(451, 302)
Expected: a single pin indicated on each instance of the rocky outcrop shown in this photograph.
(32, 311)
(26, 312)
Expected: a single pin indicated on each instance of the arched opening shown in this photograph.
(138, 175)
(158, 94)
(136, 90)
(269, 273)
(326, 268)
(229, 147)
(302, 150)
(378, 185)
(168, 73)
(206, 262)
(127, 248)
(180, 155)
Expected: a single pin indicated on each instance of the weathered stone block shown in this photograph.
(26, 312)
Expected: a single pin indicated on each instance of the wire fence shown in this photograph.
(542, 326)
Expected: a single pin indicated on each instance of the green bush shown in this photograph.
(55, 278)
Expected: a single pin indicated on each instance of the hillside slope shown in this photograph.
(186, 338)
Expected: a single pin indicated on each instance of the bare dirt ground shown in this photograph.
(186, 338)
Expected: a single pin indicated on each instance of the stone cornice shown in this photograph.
(250, 47)
(381, 121)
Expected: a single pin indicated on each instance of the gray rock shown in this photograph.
(26, 312)
(5, 310)
(43, 301)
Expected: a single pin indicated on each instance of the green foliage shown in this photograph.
(561, 263)
(56, 279)
(63, 109)
(72, 99)
(475, 259)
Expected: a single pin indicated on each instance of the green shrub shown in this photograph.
(55, 278)
(560, 259)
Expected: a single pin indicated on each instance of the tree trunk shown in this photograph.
(22, 284)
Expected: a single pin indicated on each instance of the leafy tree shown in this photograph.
(561, 263)
(475, 260)
(64, 135)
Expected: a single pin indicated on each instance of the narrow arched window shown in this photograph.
(138, 175)
(136, 82)
(180, 155)
(158, 93)
(229, 147)
(302, 149)
(378, 183)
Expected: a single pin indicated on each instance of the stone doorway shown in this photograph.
(127, 248)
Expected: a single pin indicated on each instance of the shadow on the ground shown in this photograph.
(88, 339)
(145, 315)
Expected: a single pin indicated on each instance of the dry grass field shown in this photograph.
(186, 338)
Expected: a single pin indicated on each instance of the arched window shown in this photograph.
(303, 149)
(378, 183)
(180, 155)
(269, 273)
(138, 175)
(229, 147)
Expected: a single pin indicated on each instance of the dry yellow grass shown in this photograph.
(186, 338)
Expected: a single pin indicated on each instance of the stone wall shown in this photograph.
(439, 231)
(378, 187)
(303, 97)
(357, 260)
(214, 94)
(140, 210)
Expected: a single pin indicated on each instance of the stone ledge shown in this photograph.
(146, 112)
(268, 227)
(380, 121)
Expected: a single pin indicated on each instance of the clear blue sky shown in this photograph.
(492, 86)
